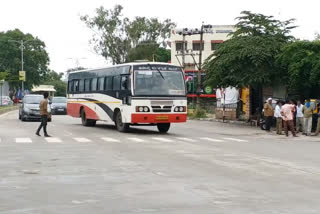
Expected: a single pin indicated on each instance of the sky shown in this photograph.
(58, 24)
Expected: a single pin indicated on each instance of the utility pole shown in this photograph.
(200, 67)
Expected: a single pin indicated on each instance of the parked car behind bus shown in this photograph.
(59, 105)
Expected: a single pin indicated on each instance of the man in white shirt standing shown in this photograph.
(278, 116)
(299, 117)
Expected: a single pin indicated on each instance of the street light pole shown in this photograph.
(22, 62)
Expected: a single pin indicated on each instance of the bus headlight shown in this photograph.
(180, 109)
(142, 109)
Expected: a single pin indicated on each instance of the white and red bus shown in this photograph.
(129, 94)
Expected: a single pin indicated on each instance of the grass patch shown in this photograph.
(197, 113)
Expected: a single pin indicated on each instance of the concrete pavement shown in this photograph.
(199, 167)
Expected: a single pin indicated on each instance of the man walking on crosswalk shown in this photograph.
(44, 115)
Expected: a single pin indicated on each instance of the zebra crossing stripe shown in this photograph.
(109, 139)
(23, 140)
(234, 139)
(82, 140)
(162, 139)
(136, 139)
(186, 139)
(53, 140)
(211, 139)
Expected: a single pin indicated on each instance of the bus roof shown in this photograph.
(125, 64)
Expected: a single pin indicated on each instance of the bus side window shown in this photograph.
(70, 86)
(94, 84)
(75, 85)
(116, 83)
(108, 83)
(81, 85)
(87, 84)
(101, 84)
(125, 83)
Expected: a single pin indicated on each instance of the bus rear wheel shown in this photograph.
(85, 121)
(163, 127)
(121, 127)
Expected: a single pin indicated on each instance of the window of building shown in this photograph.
(94, 84)
(81, 85)
(215, 44)
(179, 46)
(108, 83)
(196, 46)
(116, 83)
(101, 84)
(87, 84)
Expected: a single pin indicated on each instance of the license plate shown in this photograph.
(162, 117)
(60, 109)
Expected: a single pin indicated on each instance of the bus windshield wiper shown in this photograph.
(157, 70)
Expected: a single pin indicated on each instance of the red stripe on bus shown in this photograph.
(158, 118)
(73, 110)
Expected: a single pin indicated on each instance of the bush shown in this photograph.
(197, 113)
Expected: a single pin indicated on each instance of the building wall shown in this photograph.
(220, 34)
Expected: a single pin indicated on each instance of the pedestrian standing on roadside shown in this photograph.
(286, 112)
(278, 116)
(318, 124)
(299, 117)
(268, 113)
(44, 115)
(307, 117)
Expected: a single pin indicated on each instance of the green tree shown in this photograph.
(36, 58)
(116, 36)
(301, 60)
(55, 79)
(249, 57)
(150, 52)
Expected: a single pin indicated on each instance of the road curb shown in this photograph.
(5, 111)
(244, 123)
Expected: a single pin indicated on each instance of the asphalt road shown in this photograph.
(198, 167)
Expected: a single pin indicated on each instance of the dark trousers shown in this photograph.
(289, 124)
(44, 119)
(268, 122)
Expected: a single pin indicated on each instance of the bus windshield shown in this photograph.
(164, 83)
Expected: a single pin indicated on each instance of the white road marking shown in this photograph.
(136, 139)
(186, 139)
(0, 140)
(162, 139)
(234, 139)
(211, 139)
(109, 139)
(82, 140)
(23, 140)
(53, 140)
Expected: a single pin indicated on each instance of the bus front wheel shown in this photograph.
(121, 127)
(163, 127)
(85, 121)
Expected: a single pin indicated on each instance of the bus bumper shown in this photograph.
(158, 118)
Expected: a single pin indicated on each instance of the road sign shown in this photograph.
(22, 76)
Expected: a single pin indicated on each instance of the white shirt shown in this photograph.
(299, 111)
(277, 111)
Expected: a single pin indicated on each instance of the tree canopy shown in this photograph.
(36, 58)
(249, 57)
(301, 59)
(55, 79)
(116, 36)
